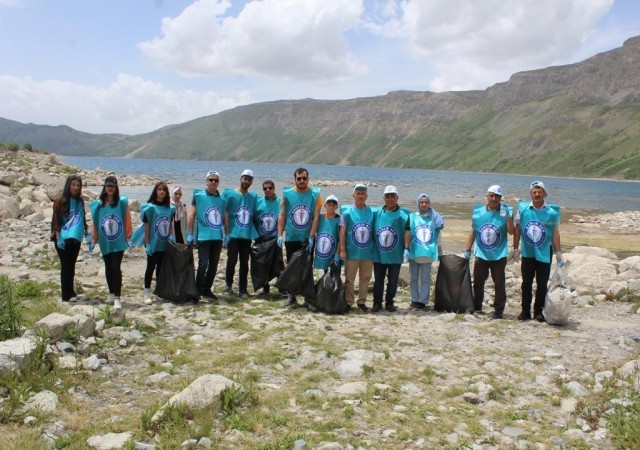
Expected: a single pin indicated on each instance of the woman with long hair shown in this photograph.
(112, 229)
(180, 216)
(68, 226)
(157, 217)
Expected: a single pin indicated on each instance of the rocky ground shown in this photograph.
(306, 380)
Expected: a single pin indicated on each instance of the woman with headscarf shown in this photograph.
(422, 249)
(112, 229)
(180, 216)
(68, 226)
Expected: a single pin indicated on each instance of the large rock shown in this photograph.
(109, 441)
(202, 393)
(629, 269)
(9, 208)
(18, 350)
(54, 325)
(591, 270)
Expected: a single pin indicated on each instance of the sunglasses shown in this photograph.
(267, 188)
(301, 179)
(213, 180)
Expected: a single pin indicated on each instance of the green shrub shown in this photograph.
(10, 309)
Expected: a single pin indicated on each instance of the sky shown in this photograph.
(133, 66)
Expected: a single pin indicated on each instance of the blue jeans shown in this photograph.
(208, 257)
(420, 283)
(392, 271)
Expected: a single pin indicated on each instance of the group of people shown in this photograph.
(368, 241)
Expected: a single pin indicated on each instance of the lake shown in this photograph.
(443, 186)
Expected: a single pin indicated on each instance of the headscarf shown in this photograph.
(179, 205)
(437, 219)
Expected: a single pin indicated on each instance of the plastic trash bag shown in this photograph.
(557, 305)
(176, 281)
(453, 285)
(266, 262)
(330, 297)
(297, 276)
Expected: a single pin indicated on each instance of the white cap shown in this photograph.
(331, 198)
(539, 184)
(247, 173)
(359, 187)
(495, 189)
(390, 190)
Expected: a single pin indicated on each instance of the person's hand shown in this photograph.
(91, 246)
(172, 238)
(406, 255)
(336, 257)
(148, 250)
(226, 240)
(129, 245)
(60, 243)
(190, 239)
(560, 260)
(310, 243)
(280, 241)
(467, 254)
(516, 254)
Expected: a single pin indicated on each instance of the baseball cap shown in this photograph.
(211, 173)
(111, 180)
(331, 198)
(359, 187)
(247, 173)
(495, 189)
(390, 190)
(539, 184)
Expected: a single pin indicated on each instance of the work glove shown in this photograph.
(280, 241)
(516, 254)
(310, 241)
(190, 239)
(467, 254)
(91, 246)
(406, 255)
(148, 250)
(225, 240)
(504, 209)
(172, 238)
(60, 243)
(560, 260)
(336, 257)
(129, 245)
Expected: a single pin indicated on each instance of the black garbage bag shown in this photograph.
(453, 285)
(297, 276)
(330, 292)
(266, 261)
(176, 280)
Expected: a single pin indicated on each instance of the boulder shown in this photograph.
(629, 268)
(591, 270)
(18, 350)
(54, 325)
(9, 208)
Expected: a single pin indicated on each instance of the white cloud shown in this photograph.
(474, 43)
(278, 39)
(130, 105)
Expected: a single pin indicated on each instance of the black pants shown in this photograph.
(540, 270)
(68, 258)
(481, 270)
(208, 257)
(154, 263)
(235, 248)
(392, 272)
(113, 272)
(178, 232)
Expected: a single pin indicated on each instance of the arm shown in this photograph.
(316, 217)
(470, 239)
(191, 219)
(510, 225)
(128, 227)
(281, 219)
(516, 237)
(556, 239)
(147, 237)
(407, 239)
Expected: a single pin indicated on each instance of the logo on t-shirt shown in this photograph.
(387, 238)
(301, 217)
(72, 221)
(243, 217)
(268, 224)
(325, 245)
(361, 234)
(535, 233)
(489, 236)
(424, 234)
(112, 227)
(163, 228)
(213, 217)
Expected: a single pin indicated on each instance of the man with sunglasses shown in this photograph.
(299, 214)
(537, 236)
(266, 218)
(490, 225)
(206, 228)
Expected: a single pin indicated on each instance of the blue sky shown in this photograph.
(133, 66)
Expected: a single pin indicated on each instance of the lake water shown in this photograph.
(442, 186)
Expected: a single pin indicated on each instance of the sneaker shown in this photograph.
(208, 295)
(540, 317)
(147, 293)
(109, 300)
(73, 299)
(117, 304)
(524, 316)
(417, 305)
(244, 294)
(376, 307)
(390, 307)
(228, 290)
(347, 310)
(362, 307)
(148, 301)
(290, 301)
(497, 315)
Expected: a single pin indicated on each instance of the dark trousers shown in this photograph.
(112, 272)
(68, 258)
(392, 272)
(540, 270)
(291, 248)
(208, 257)
(154, 263)
(238, 248)
(178, 232)
(481, 270)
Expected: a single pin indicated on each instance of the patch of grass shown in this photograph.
(11, 309)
